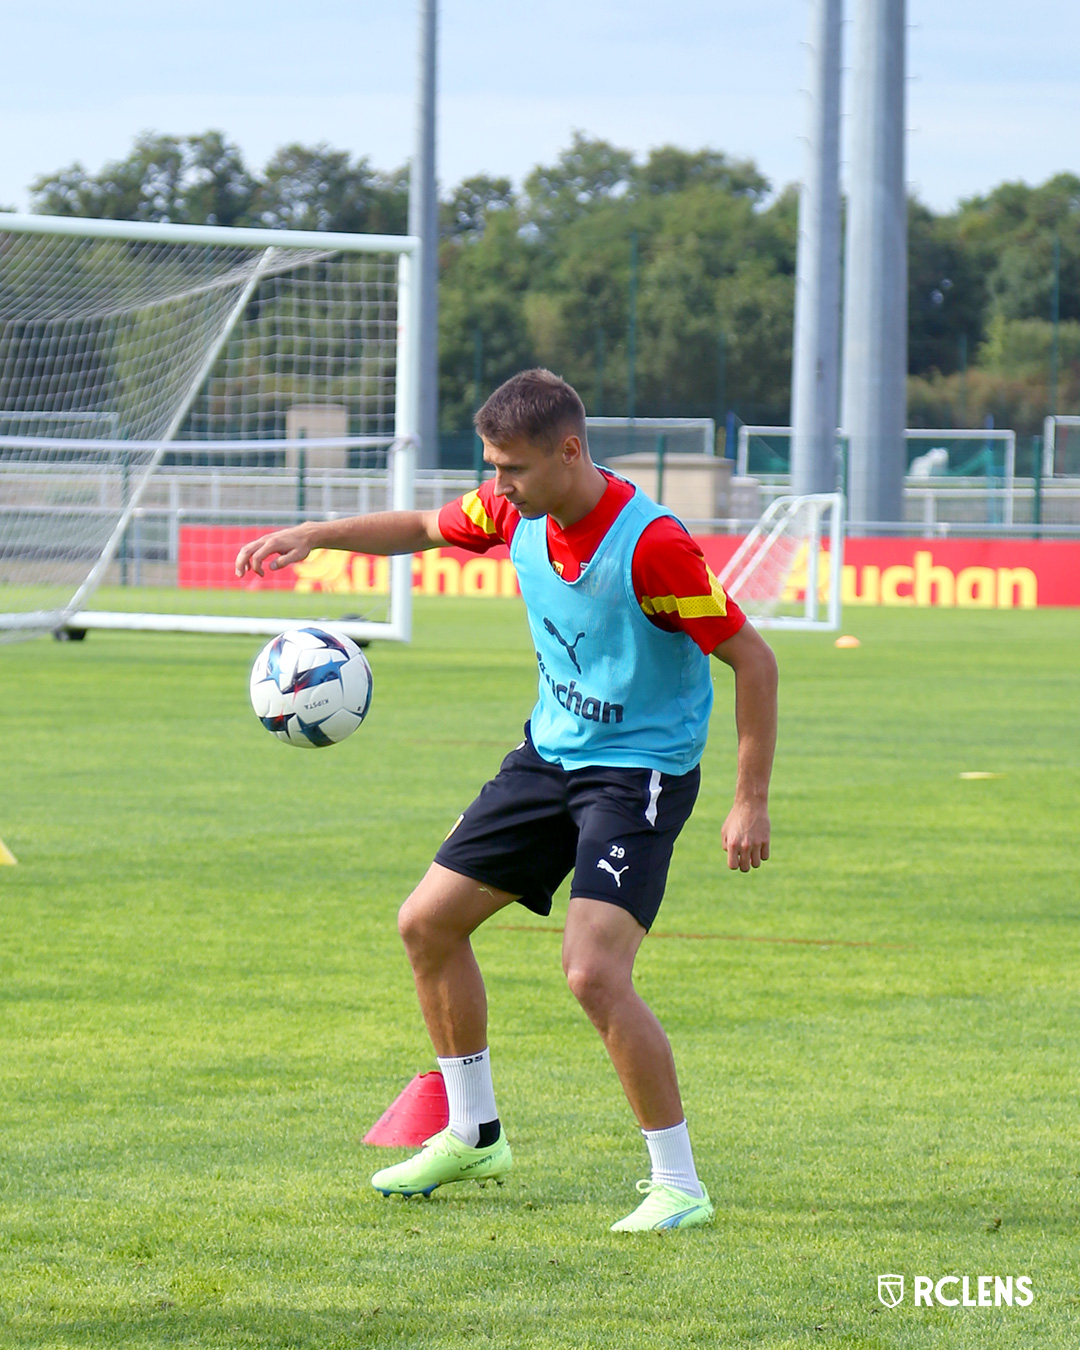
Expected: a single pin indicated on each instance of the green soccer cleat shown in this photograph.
(444, 1158)
(665, 1207)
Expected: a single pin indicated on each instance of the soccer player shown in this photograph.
(624, 613)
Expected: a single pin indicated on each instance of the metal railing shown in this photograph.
(934, 508)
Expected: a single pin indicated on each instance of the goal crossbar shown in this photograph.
(168, 232)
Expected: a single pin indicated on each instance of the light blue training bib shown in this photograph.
(615, 690)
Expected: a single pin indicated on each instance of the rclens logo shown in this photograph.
(890, 1289)
(971, 1291)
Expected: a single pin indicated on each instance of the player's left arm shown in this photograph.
(678, 593)
(745, 834)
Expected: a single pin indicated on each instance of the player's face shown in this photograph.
(531, 478)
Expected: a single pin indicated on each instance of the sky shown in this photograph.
(993, 87)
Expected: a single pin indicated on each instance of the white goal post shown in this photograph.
(1061, 446)
(246, 356)
(781, 575)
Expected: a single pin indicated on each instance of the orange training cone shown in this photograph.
(418, 1113)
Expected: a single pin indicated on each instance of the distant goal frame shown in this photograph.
(767, 536)
(1051, 423)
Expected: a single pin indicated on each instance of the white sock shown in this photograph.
(470, 1094)
(672, 1158)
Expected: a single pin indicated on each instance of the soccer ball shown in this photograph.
(311, 687)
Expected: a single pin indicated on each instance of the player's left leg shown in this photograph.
(628, 821)
(600, 943)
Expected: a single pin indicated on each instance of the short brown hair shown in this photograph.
(534, 405)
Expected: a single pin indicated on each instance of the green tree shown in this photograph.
(590, 172)
(669, 169)
(465, 214)
(947, 294)
(198, 180)
(1009, 233)
(482, 300)
(699, 218)
(319, 188)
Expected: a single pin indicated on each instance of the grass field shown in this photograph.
(205, 1006)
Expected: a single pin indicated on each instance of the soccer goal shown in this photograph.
(610, 437)
(783, 575)
(169, 391)
(1061, 446)
(959, 451)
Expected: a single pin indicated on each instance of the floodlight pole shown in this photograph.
(815, 375)
(424, 223)
(874, 374)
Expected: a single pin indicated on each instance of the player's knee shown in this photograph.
(415, 924)
(429, 922)
(593, 982)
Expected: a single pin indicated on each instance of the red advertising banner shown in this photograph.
(968, 573)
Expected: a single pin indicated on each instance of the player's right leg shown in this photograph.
(514, 841)
(436, 923)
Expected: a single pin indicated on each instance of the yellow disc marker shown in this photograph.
(6, 855)
(981, 773)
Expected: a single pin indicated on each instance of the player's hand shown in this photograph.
(291, 546)
(745, 835)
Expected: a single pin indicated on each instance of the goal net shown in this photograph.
(167, 392)
(787, 572)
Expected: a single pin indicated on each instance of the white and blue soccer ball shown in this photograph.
(311, 687)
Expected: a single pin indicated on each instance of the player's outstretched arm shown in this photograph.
(382, 532)
(745, 834)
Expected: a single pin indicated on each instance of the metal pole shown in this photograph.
(1037, 475)
(875, 291)
(424, 222)
(631, 337)
(1055, 320)
(401, 462)
(477, 367)
(478, 381)
(661, 452)
(125, 495)
(963, 379)
(815, 374)
(301, 484)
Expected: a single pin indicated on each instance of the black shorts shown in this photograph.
(535, 821)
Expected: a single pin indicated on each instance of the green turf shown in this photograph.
(204, 1006)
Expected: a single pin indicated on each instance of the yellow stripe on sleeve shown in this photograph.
(711, 606)
(475, 511)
